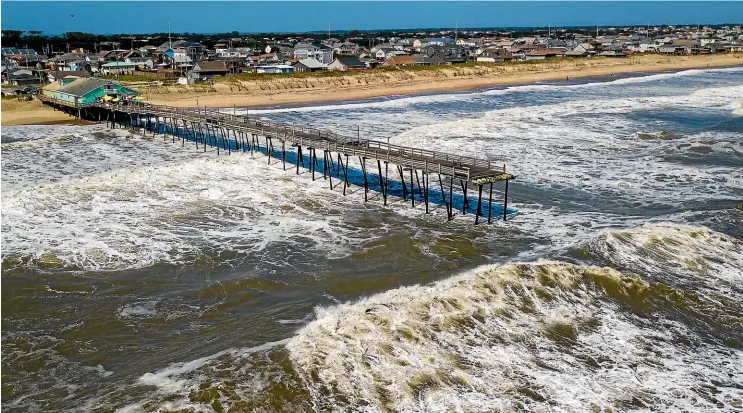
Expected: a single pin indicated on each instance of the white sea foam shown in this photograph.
(402, 102)
(696, 258)
(580, 145)
(538, 336)
(102, 202)
(143, 309)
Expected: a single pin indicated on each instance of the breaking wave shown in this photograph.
(546, 335)
(402, 102)
(539, 336)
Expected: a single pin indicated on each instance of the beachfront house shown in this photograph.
(395, 61)
(582, 50)
(432, 60)
(495, 55)
(309, 65)
(85, 91)
(344, 63)
(541, 54)
(207, 69)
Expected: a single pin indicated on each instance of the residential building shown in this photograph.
(85, 91)
(541, 54)
(395, 61)
(309, 65)
(495, 55)
(582, 50)
(343, 63)
(21, 77)
(207, 69)
(323, 54)
(433, 60)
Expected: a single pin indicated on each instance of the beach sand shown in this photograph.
(33, 112)
(278, 90)
(362, 85)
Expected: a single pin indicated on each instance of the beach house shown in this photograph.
(85, 91)
(343, 63)
(309, 65)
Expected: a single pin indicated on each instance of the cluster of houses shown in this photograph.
(188, 61)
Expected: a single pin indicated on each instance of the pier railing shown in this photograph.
(460, 166)
(215, 128)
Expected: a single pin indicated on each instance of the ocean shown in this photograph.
(139, 275)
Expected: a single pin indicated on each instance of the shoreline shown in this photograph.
(405, 83)
(502, 86)
(395, 85)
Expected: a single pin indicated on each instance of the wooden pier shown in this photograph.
(231, 132)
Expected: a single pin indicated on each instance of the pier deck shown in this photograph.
(211, 126)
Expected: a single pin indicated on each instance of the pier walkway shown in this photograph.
(235, 132)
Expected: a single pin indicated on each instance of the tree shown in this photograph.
(11, 37)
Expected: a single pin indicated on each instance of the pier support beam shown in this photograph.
(299, 158)
(345, 175)
(425, 190)
(479, 202)
(412, 189)
(312, 161)
(362, 161)
(381, 183)
(465, 203)
(490, 202)
(450, 209)
(402, 181)
(330, 171)
(283, 153)
(325, 164)
(505, 201)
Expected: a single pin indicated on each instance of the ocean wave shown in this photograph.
(545, 335)
(534, 336)
(686, 257)
(591, 145)
(150, 202)
(402, 101)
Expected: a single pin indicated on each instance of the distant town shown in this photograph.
(35, 60)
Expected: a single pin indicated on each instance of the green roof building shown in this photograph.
(85, 91)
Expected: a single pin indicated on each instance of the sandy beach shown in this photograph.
(33, 112)
(278, 90)
(363, 85)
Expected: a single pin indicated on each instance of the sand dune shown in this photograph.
(277, 90)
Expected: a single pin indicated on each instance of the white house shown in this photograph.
(322, 54)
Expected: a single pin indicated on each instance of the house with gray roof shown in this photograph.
(309, 65)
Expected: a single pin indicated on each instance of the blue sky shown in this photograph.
(107, 17)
